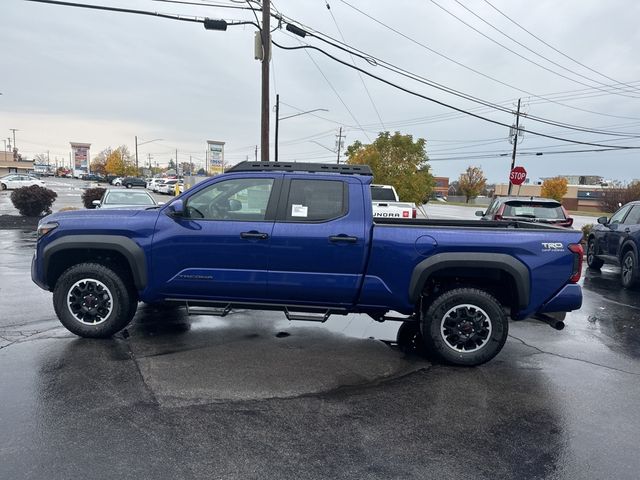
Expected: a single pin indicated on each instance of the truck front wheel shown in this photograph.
(465, 326)
(93, 301)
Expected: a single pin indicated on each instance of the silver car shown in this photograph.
(120, 198)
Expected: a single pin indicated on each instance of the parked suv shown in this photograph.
(616, 240)
(133, 182)
(527, 209)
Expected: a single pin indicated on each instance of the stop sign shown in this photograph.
(518, 175)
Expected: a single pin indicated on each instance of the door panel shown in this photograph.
(220, 250)
(318, 245)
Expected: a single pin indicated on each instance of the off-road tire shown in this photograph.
(628, 269)
(101, 285)
(593, 262)
(476, 316)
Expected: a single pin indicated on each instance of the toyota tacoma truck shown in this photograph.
(301, 238)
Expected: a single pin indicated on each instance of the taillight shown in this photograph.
(568, 220)
(414, 213)
(499, 212)
(578, 253)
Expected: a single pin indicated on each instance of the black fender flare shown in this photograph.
(497, 261)
(131, 251)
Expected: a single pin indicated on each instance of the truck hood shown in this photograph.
(96, 215)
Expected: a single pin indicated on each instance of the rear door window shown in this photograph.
(316, 200)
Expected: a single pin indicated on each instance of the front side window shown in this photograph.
(316, 200)
(242, 199)
(634, 216)
(619, 215)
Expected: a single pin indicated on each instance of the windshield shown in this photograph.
(129, 198)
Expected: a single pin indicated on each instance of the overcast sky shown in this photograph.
(72, 74)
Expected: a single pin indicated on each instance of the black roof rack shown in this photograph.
(300, 167)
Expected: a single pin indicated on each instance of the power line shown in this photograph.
(418, 78)
(182, 18)
(406, 90)
(336, 92)
(366, 89)
(183, 2)
(516, 53)
(536, 53)
(554, 48)
(471, 69)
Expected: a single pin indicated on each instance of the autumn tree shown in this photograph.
(99, 162)
(396, 160)
(472, 182)
(119, 162)
(555, 188)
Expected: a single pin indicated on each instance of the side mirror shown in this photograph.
(176, 209)
(161, 203)
(603, 220)
(479, 213)
(235, 205)
(96, 203)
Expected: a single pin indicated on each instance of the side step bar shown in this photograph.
(307, 317)
(217, 312)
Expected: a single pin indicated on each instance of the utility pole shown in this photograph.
(177, 162)
(277, 124)
(266, 55)
(48, 162)
(515, 144)
(14, 130)
(256, 153)
(339, 143)
(149, 158)
(136, 154)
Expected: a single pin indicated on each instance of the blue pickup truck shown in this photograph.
(301, 238)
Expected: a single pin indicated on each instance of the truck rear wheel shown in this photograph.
(93, 301)
(465, 326)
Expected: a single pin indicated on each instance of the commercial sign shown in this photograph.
(80, 158)
(215, 156)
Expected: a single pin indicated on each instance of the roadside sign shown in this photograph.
(518, 175)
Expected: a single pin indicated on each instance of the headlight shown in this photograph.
(46, 228)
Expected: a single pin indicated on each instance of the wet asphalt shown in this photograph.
(252, 395)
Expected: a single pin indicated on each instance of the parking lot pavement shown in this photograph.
(254, 396)
(69, 192)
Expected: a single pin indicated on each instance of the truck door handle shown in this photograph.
(253, 234)
(343, 238)
(627, 230)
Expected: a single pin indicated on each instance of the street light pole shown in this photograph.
(143, 143)
(289, 116)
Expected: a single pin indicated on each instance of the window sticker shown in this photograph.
(298, 210)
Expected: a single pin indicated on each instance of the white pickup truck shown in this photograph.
(387, 204)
